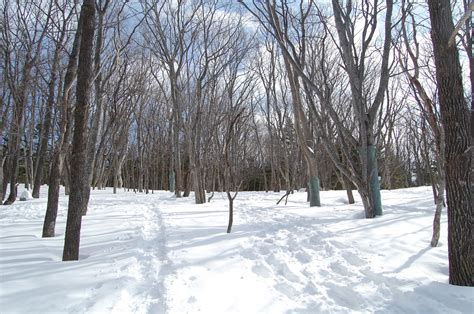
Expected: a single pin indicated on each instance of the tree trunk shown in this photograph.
(6, 176)
(2, 163)
(346, 184)
(440, 185)
(57, 166)
(175, 164)
(79, 143)
(313, 186)
(66, 175)
(171, 173)
(439, 207)
(96, 122)
(455, 119)
(303, 135)
(195, 174)
(374, 184)
(231, 211)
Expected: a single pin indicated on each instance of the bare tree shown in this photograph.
(365, 111)
(237, 94)
(455, 119)
(410, 63)
(171, 32)
(62, 144)
(29, 36)
(62, 19)
(79, 143)
(279, 21)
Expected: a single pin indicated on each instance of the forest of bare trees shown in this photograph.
(212, 96)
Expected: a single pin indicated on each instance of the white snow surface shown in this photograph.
(154, 253)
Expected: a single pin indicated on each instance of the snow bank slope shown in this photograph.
(317, 260)
(120, 259)
(154, 254)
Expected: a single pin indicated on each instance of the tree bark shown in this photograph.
(455, 119)
(79, 143)
(96, 122)
(231, 212)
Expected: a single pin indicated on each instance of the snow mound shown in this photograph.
(25, 195)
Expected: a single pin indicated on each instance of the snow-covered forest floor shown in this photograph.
(155, 253)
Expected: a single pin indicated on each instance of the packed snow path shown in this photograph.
(158, 254)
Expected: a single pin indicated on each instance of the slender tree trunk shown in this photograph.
(5, 105)
(116, 179)
(346, 184)
(195, 174)
(95, 129)
(373, 178)
(455, 119)
(231, 212)
(439, 207)
(79, 143)
(313, 184)
(176, 127)
(178, 177)
(6, 177)
(2, 163)
(171, 173)
(66, 175)
(440, 182)
(57, 167)
(28, 150)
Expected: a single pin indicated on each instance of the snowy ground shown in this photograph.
(154, 253)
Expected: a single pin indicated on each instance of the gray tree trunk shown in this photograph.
(79, 142)
(457, 128)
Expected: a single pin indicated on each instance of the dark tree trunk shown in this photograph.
(66, 175)
(2, 173)
(6, 176)
(49, 224)
(95, 128)
(455, 119)
(231, 212)
(469, 33)
(79, 142)
(346, 184)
